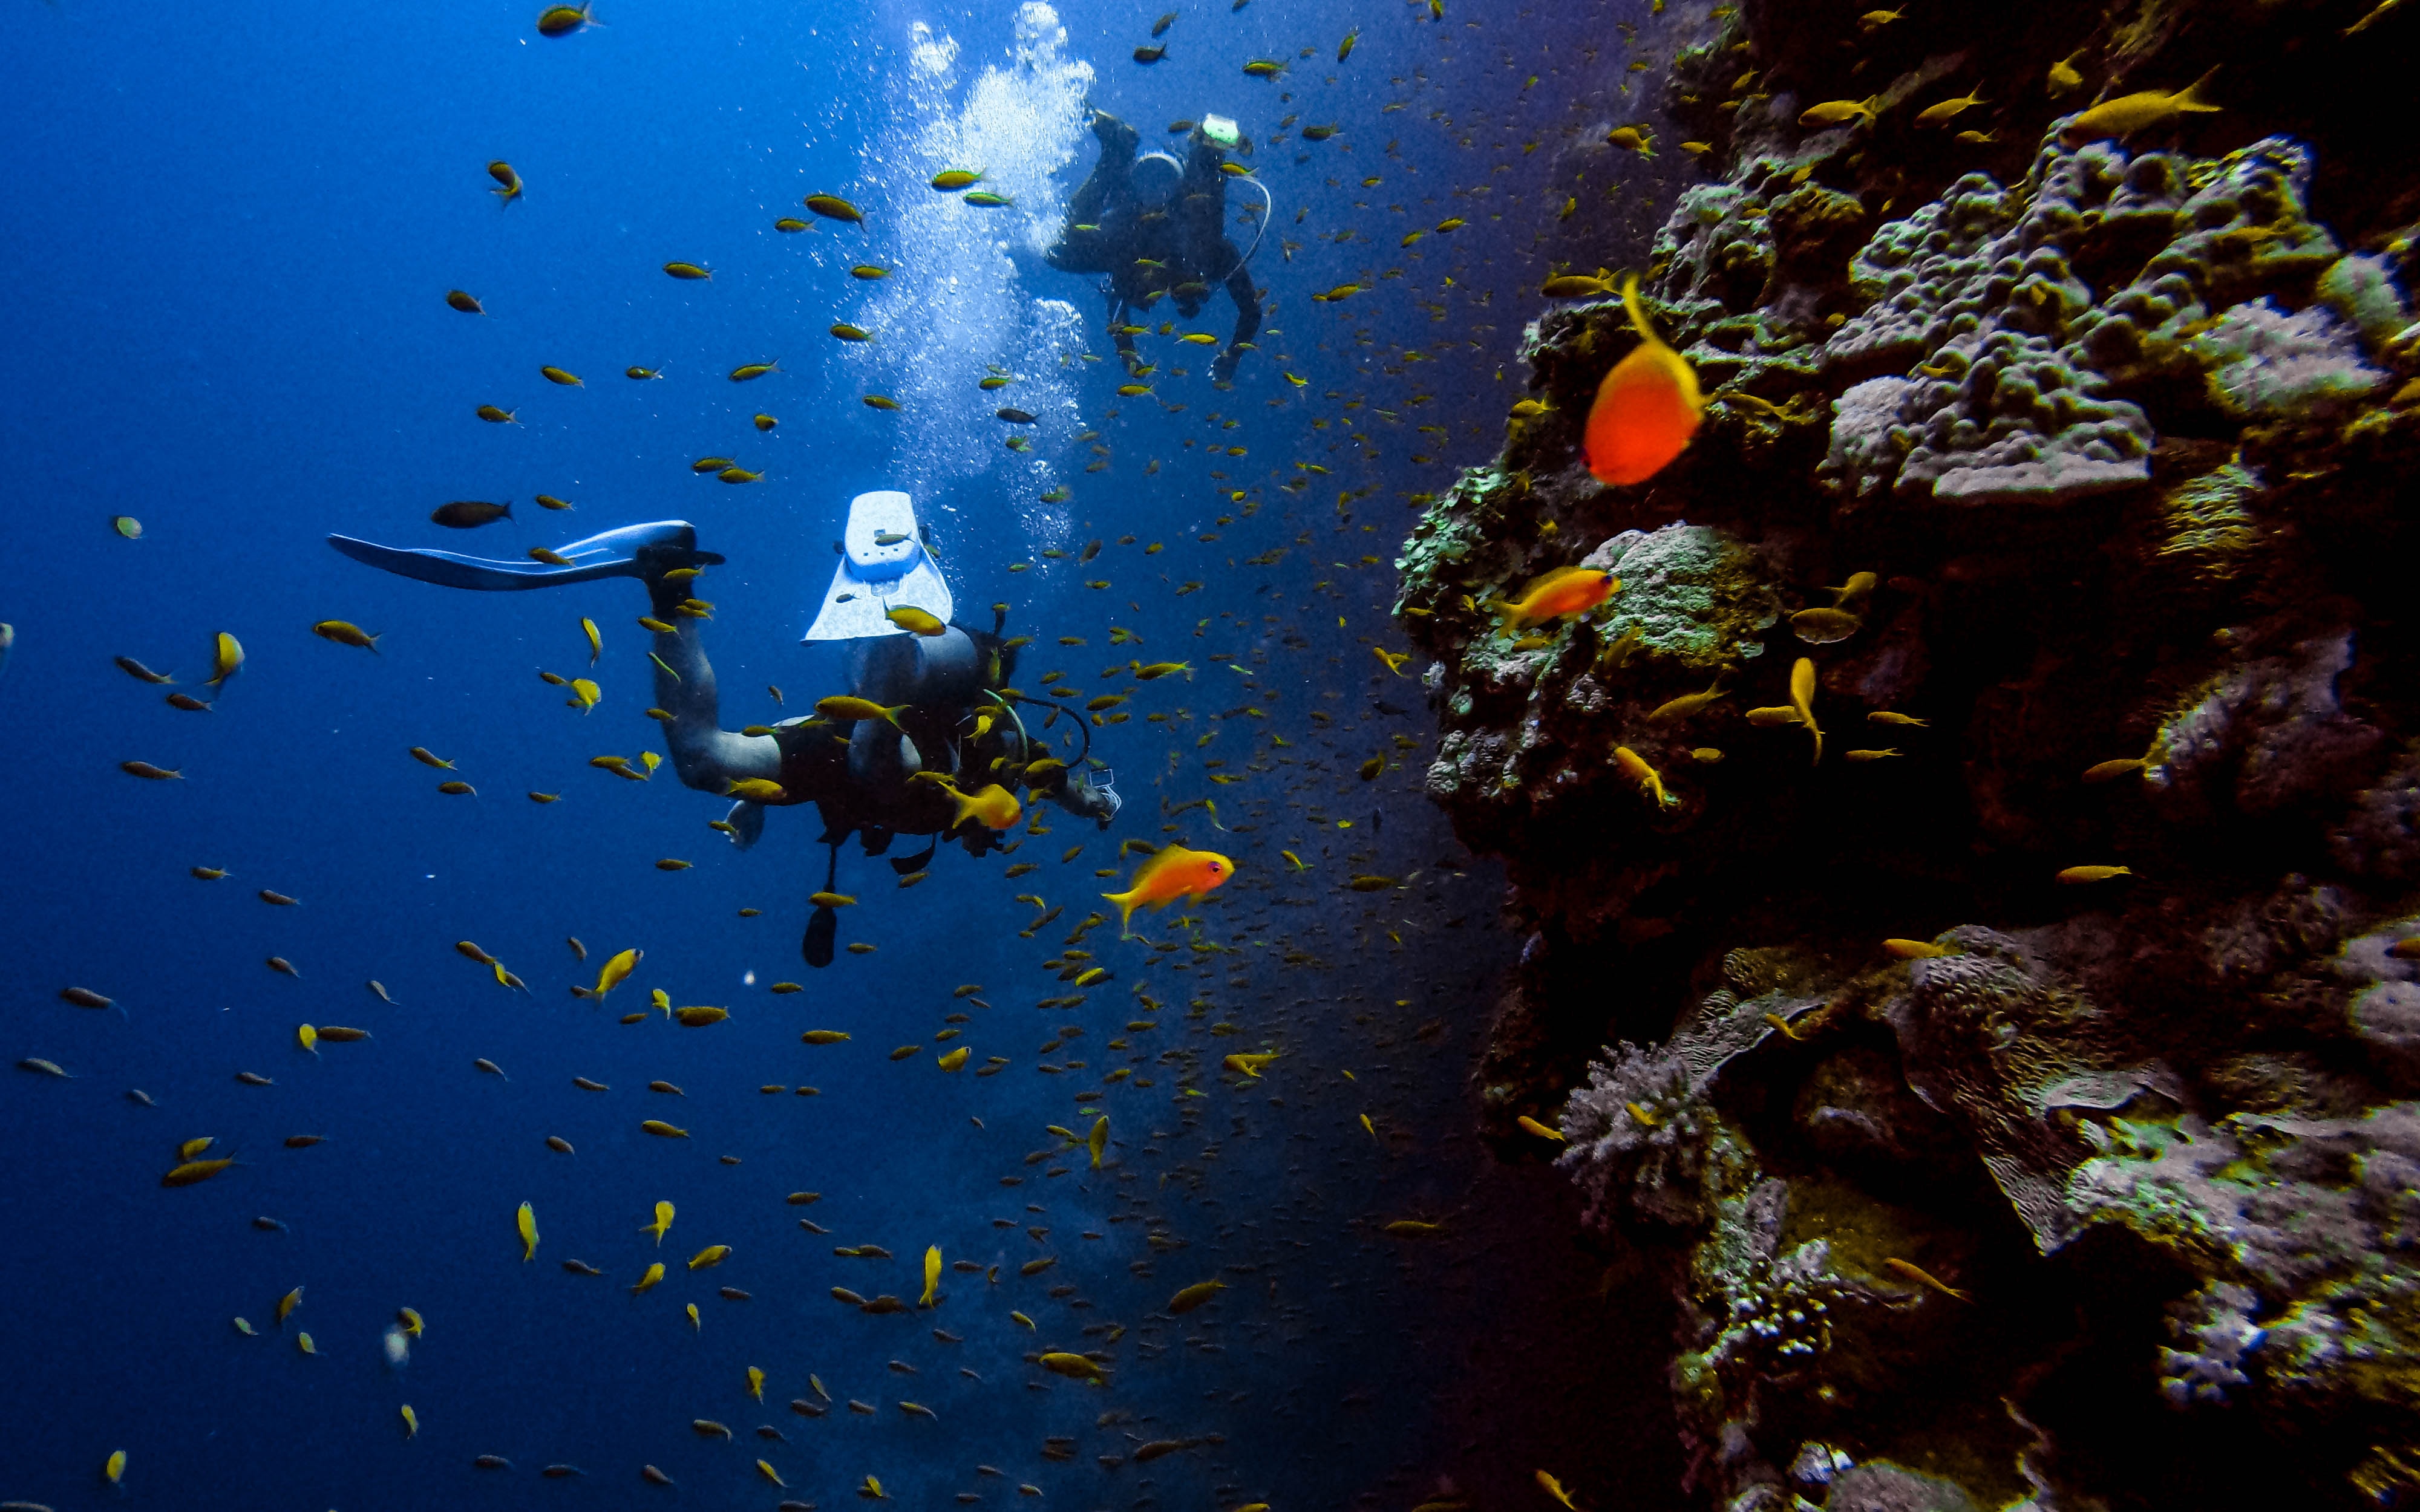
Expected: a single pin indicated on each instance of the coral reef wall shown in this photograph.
(2013, 1069)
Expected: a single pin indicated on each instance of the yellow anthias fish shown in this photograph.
(1687, 704)
(410, 1320)
(1172, 873)
(712, 1254)
(849, 710)
(932, 1276)
(614, 971)
(227, 655)
(992, 806)
(1073, 1367)
(915, 621)
(115, 1468)
(1802, 699)
(308, 1038)
(596, 641)
(756, 789)
(2127, 114)
(2075, 874)
(1250, 1065)
(345, 633)
(1098, 1140)
(410, 1422)
(1650, 781)
(1555, 1489)
(584, 695)
(527, 1222)
(1834, 112)
(756, 1382)
(663, 1222)
(654, 1274)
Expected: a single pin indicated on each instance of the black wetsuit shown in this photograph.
(815, 767)
(1179, 250)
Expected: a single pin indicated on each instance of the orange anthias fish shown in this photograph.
(1172, 873)
(1561, 591)
(1647, 407)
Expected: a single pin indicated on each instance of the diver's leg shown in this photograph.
(1108, 184)
(1248, 320)
(707, 756)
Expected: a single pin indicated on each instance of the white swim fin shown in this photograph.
(883, 565)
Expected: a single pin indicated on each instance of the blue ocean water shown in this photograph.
(230, 240)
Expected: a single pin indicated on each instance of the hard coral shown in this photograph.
(2032, 325)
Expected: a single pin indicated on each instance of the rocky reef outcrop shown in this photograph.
(2013, 1069)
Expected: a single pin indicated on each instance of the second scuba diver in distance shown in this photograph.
(1156, 228)
(927, 739)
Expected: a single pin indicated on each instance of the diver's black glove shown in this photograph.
(663, 594)
(1115, 136)
(1223, 370)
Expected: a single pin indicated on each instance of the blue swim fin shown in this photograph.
(639, 552)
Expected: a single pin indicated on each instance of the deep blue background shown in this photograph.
(228, 242)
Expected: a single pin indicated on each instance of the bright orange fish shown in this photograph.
(1561, 591)
(1171, 872)
(1647, 407)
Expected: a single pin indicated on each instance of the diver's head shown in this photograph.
(1154, 180)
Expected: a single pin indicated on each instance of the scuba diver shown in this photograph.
(1157, 227)
(932, 746)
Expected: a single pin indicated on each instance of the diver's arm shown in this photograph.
(1247, 322)
(707, 756)
(1087, 799)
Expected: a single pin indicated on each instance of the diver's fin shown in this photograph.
(822, 925)
(632, 551)
(747, 822)
(884, 564)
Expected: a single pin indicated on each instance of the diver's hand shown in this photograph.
(1115, 134)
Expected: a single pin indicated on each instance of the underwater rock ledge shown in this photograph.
(2017, 1083)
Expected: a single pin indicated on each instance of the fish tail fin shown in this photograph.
(2189, 97)
(1125, 902)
